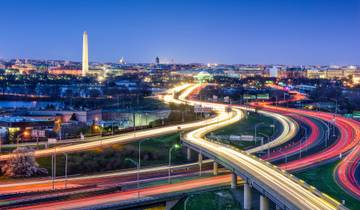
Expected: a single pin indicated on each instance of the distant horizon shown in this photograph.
(117, 62)
(289, 32)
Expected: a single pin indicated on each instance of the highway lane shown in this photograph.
(289, 126)
(347, 140)
(315, 141)
(267, 175)
(277, 180)
(168, 98)
(296, 193)
(112, 177)
(295, 98)
(132, 194)
(347, 143)
(289, 129)
(123, 138)
(345, 172)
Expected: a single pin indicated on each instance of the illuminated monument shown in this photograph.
(85, 55)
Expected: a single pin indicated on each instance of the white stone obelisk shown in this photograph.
(85, 55)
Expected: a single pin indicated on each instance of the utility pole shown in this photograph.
(66, 169)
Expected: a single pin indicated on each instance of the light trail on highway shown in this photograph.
(280, 182)
(26, 186)
(267, 175)
(123, 138)
(347, 143)
(289, 126)
(260, 169)
(118, 197)
(345, 172)
(287, 151)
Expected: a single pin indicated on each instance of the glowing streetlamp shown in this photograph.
(137, 173)
(175, 146)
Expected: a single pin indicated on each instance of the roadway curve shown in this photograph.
(123, 138)
(347, 143)
(290, 127)
(345, 172)
(313, 140)
(279, 181)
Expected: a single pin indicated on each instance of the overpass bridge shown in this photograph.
(286, 191)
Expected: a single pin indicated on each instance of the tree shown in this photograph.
(22, 164)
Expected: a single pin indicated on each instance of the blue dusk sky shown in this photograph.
(207, 31)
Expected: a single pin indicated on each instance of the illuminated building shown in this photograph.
(65, 70)
(316, 74)
(24, 68)
(334, 73)
(203, 76)
(294, 72)
(274, 71)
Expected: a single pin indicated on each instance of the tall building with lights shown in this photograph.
(85, 55)
(157, 60)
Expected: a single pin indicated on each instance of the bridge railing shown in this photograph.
(298, 181)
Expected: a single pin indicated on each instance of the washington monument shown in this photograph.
(85, 55)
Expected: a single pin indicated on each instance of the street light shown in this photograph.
(334, 126)
(327, 133)
(139, 152)
(53, 168)
(175, 146)
(66, 169)
(255, 127)
(301, 145)
(306, 136)
(268, 140)
(137, 173)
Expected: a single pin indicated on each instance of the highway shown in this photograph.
(17, 186)
(289, 126)
(123, 138)
(315, 141)
(289, 129)
(348, 138)
(118, 197)
(265, 173)
(345, 172)
(347, 143)
(168, 98)
(274, 178)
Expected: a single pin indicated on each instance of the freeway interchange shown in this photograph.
(281, 187)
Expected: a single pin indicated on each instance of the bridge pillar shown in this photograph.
(188, 153)
(247, 196)
(215, 168)
(200, 159)
(264, 203)
(233, 181)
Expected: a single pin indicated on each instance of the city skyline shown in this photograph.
(306, 32)
(180, 104)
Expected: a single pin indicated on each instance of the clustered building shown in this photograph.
(324, 72)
